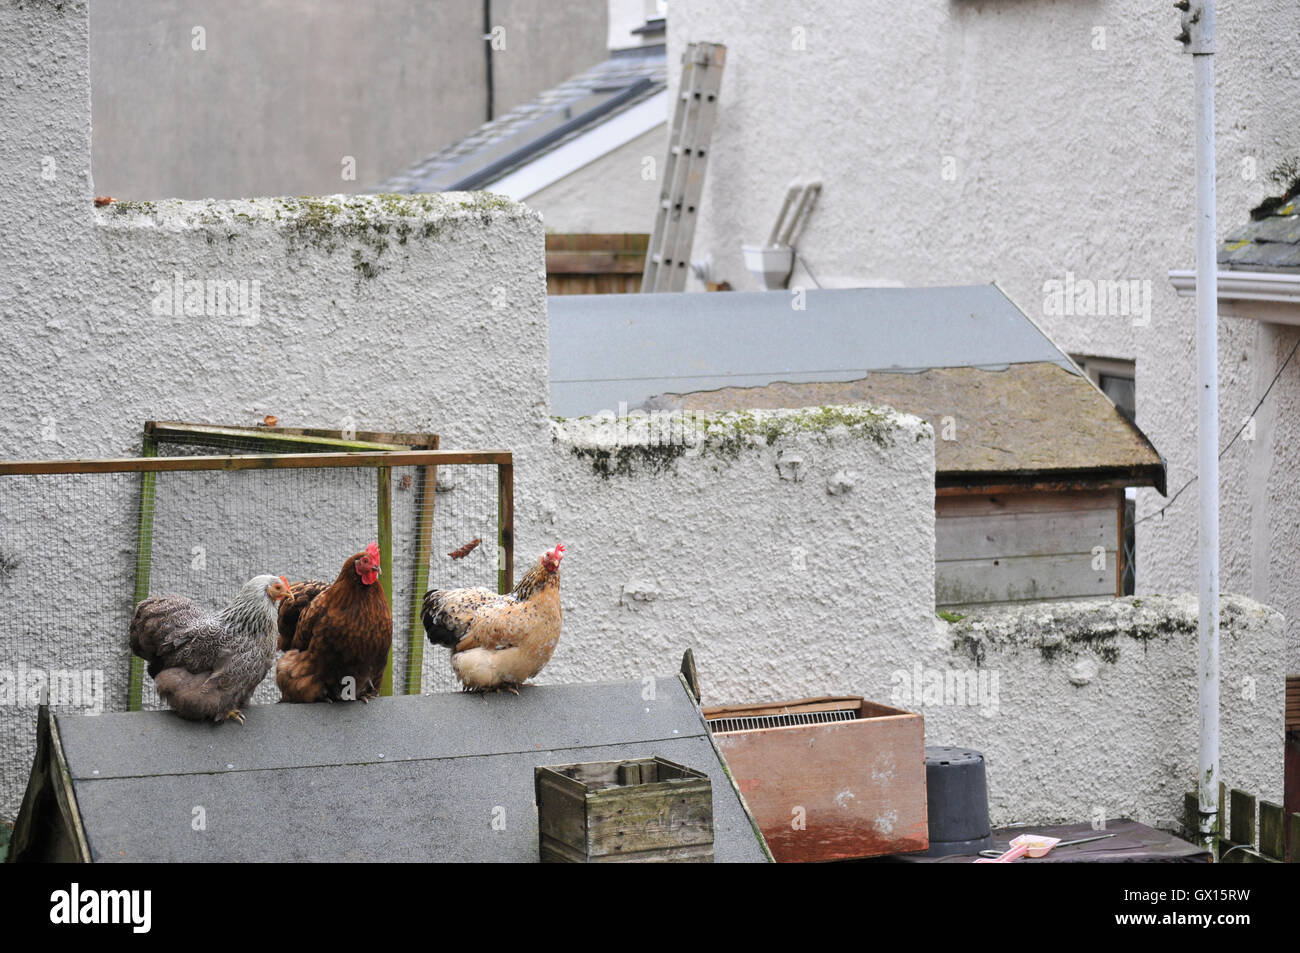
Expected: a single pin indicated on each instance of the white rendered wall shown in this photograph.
(418, 314)
(792, 568)
(1089, 708)
(787, 588)
(962, 142)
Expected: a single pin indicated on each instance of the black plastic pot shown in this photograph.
(957, 801)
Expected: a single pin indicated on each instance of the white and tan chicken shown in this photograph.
(498, 641)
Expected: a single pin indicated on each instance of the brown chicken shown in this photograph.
(336, 636)
(499, 641)
(205, 666)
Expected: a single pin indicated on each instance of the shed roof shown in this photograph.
(413, 778)
(554, 117)
(1022, 409)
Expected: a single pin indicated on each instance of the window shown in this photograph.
(1117, 379)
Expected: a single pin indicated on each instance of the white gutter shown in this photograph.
(607, 136)
(1243, 285)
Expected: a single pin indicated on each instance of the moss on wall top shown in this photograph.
(653, 442)
(374, 222)
(327, 214)
(1069, 628)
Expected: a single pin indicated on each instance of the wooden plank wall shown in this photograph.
(1293, 703)
(993, 548)
(595, 264)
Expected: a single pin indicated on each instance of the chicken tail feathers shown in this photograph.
(291, 610)
(299, 679)
(191, 695)
(439, 626)
(158, 629)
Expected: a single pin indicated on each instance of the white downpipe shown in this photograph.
(1207, 429)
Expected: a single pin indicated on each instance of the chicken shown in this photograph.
(204, 666)
(336, 636)
(497, 641)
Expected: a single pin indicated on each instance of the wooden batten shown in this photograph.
(283, 461)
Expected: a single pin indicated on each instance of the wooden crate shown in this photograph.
(830, 778)
(648, 809)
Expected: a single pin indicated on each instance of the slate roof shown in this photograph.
(556, 116)
(1269, 242)
(413, 778)
(1023, 411)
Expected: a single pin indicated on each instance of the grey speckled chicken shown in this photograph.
(206, 667)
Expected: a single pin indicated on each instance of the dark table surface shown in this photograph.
(1133, 843)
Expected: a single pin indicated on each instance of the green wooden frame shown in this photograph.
(287, 440)
(324, 453)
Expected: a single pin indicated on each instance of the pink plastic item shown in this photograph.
(1035, 845)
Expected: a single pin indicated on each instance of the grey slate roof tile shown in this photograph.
(622, 69)
(1271, 243)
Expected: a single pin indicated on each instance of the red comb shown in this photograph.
(286, 582)
(372, 551)
(558, 551)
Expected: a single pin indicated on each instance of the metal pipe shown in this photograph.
(1207, 424)
(780, 219)
(487, 50)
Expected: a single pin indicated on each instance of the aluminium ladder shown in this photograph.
(688, 145)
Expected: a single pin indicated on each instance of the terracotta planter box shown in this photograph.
(649, 809)
(828, 778)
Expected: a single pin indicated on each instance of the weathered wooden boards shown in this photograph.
(995, 548)
(595, 263)
(1246, 843)
(648, 809)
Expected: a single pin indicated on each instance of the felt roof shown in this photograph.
(1021, 409)
(408, 778)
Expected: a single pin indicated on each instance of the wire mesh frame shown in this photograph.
(426, 462)
(272, 438)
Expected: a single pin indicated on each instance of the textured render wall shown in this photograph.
(285, 89)
(786, 589)
(786, 578)
(967, 142)
(609, 195)
(1120, 675)
(424, 313)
